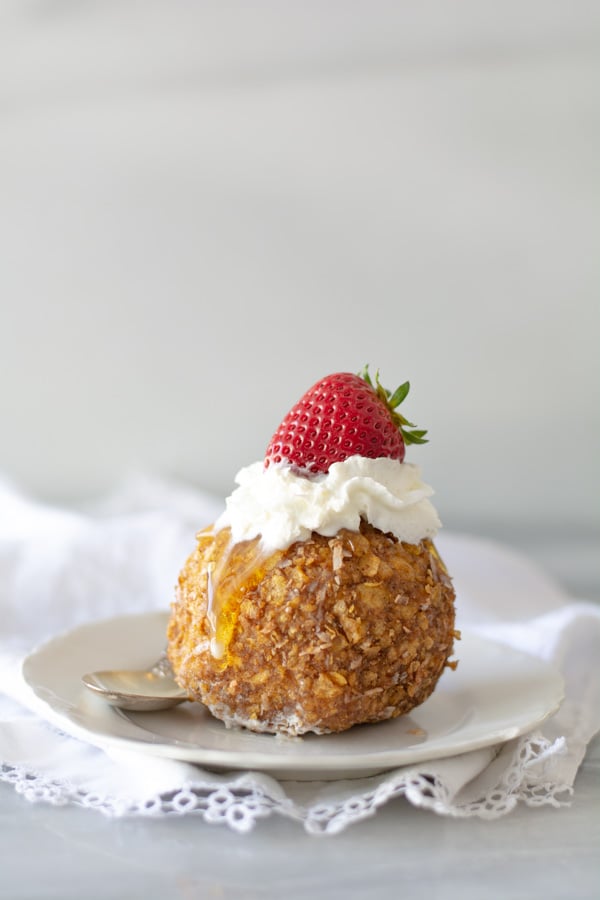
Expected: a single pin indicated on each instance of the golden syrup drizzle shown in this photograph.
(434, 553)
(237, 569)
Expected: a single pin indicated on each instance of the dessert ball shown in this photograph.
(326, 634)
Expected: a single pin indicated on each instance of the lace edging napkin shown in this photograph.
(59, 568)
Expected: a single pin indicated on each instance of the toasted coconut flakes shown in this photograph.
(337, 557)
(320, 594)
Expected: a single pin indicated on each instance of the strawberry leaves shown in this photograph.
(392, 401)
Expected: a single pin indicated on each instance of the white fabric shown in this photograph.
(59, 568)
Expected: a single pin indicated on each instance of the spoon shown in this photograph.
(138, 691)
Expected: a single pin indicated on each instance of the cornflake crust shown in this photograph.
(330, 633)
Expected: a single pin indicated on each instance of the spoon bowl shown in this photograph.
(139, 691)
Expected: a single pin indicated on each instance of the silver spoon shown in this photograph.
(138, 691)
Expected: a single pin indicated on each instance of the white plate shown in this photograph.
(495, 694)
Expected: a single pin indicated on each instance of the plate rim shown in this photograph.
(378, 761)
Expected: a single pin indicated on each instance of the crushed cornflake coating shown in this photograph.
(329, 633)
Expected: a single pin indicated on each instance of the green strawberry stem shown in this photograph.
(392, 401)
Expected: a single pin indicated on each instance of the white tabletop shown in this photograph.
(69, 852)
(544, 852)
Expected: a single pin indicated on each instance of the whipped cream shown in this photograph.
(283, 506)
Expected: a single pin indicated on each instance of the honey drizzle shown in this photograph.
(234, 570)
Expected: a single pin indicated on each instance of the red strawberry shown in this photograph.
(340, 416)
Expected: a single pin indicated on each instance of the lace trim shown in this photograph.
(523, 780)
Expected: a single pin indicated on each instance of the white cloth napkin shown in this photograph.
(60, 568)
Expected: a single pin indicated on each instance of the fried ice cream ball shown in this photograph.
(330, 633)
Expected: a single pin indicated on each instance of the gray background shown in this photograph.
(204, 207)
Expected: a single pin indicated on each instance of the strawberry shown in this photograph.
(340, 416)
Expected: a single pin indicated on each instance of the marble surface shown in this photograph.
(531, 853)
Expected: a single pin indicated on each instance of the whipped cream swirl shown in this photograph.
(283, 506)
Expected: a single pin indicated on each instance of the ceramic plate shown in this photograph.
(495, 694)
